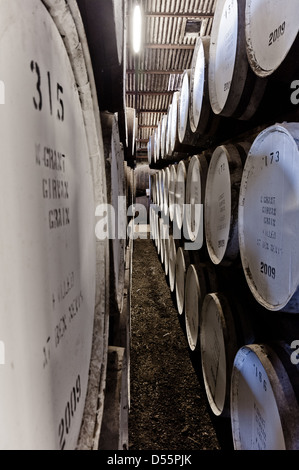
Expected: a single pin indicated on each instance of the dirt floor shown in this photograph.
(169, 408)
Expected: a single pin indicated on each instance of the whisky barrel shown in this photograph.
(218, 346)
(221, 202)
(158, 187)
(203, 121)
(158, 142)
(178, 150)
(185, 133)
(195, 292)
(264, 398)
(161, 188)
(172, 252)
(142, 174)
(152, 219)
(179, 195)
(163, 136)
(168, 153)
(166, 250)
(271, 32)
(181, 268)
(162, 240)
(195, 198)
(268, 221)
(166, 175)
(119, 219)
(234, 89)
(156, 230)
(173, 122)
(171, 191)
(53, 271)
(153, 188)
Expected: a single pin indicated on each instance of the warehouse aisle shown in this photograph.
(169, 409)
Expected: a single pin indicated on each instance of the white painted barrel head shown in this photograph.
(269, 217)
(163, 135)
(171, 262)
(223, 49)
(198, 78)
(164, 235)
(47, 236)
(162, 181)
(180, 278)
(168, 133)
(171, 191)
(166, 254)
(195, 190)
(166, 190)
(174, 121)
(158, 235)
(183, 106)
(179, 195)
(218, 345)
(151, 221)
(264, 409)
(158, 187)
(193, 302)
(161, 229)
(271, 27)
(158, 141)
(218, 206)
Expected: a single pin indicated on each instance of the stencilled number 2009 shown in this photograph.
(69, 412)
(268, 270)
(38, 101)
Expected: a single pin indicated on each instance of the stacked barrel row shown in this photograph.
(234, 279)
(241, 76)
(225, 217)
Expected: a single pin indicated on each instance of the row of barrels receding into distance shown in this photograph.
(245, 74)
(225, 216)
(225, 226)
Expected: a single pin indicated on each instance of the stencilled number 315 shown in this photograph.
(38, 97)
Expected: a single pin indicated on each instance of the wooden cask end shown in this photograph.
(235, 91)
(268, 218)
(221, 202)
(195, 292)
(195, 198)
(264, 398)
(218, 346)
(181, 268)
(53, 270)
(271, 31)
(203, 121)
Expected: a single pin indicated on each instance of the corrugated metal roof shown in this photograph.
(170, 31)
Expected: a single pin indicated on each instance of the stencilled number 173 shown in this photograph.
(273, 157)
(38, 101)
